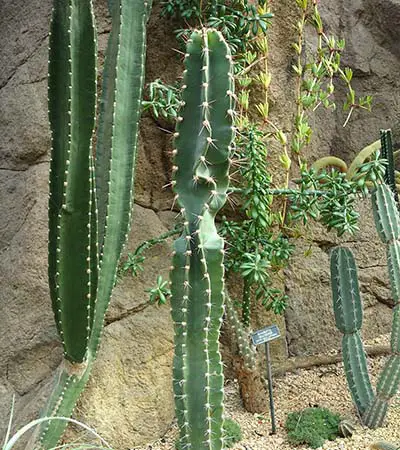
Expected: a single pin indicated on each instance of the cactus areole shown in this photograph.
(203, 139)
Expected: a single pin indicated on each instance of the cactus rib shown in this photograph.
(82, 273)
(387, 153)
(203, 137)
(130, 62)
(388, 226)
(348, 316)
(72, 46)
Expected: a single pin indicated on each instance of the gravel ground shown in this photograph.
(323, 386)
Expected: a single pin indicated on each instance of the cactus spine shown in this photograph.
(84, 252)
(348, 315)
(387, 153)
(387, 223)
(203, 138)
(246, 350)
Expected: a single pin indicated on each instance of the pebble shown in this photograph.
(295, 392)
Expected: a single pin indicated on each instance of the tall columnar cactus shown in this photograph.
(87, 230)
(348, 314)
(203, 140)
(387, 153)
(348, 317)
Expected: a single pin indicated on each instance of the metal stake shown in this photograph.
(271, 398)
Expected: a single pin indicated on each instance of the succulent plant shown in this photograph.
(203, 140)
(348, 315)
(246, 350)
(91, 196)
(388, 155)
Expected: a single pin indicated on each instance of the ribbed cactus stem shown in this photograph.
(348, 311)
(80, 276)
(388, 225)
(246, 350)
(246, 302)
(203, 138)
(387, 153)
(72, 99)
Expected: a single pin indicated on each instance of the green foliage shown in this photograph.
(316, 72)
(330, 197)
(160, 292)
(163, 100)
(238, 20)
(312, 426)
(232, 433)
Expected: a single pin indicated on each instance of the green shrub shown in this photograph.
(232, 434)
(312, 426)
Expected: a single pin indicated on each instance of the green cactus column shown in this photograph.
(84, 251)
(203, 137)
(387, 223)
(348, 311)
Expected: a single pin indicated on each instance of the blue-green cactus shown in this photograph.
(348, 314)
(87, 230)
(203, 138)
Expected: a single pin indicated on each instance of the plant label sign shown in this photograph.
(265, 335)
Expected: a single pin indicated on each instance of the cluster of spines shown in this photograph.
(348, 312)
(246, 350)
(203, 137)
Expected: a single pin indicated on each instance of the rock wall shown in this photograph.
(129, 397)
(373, 52)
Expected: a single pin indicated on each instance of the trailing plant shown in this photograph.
(163, 100)
(312, 426)
(134, 260)
(348, 315)
(160, 293)
(329, 196)
(315, 75)
(203, 139)
(91, 194)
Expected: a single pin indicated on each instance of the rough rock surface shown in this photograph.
(129, 397)
(372, 51)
